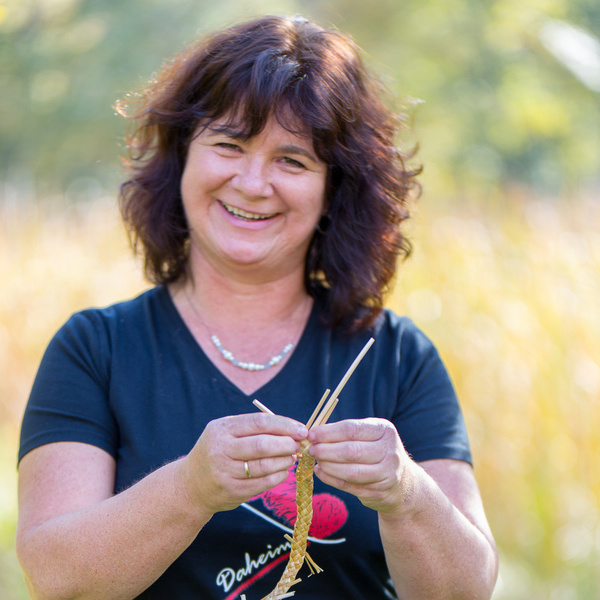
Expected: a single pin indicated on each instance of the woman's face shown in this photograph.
(252, 203)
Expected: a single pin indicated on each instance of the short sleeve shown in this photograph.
(428, 415)
(68, 401)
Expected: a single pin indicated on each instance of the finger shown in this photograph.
(231, 496)
(349, 452)
(345, 485)
(350, 429)
(262, 446)
(258, 485)
(256, 423)
(375, 495)
(371, 475)
(264, 467)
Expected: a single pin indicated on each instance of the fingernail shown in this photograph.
(302, 432)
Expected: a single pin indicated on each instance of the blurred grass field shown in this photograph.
(509, 292)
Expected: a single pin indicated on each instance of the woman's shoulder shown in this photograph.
(392, 332)
(138, 306)
(122, 316)
(399, 327)
(393, 320)
(399, 336)
(93, 337)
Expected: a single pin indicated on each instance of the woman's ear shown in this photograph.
(323, 224)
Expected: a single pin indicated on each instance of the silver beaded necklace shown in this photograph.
(227, 355)
(249, 366)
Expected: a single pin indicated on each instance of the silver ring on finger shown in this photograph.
(247, 470)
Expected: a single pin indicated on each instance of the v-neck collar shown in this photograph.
(190, 341)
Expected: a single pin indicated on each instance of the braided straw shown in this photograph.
(304, 491)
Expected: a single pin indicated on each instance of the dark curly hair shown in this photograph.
(278, 66)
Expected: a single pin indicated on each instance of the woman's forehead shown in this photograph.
(242, 124)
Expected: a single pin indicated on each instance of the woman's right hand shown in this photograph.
(214, 472)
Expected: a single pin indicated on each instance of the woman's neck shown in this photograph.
(254, 321)
(248, 302)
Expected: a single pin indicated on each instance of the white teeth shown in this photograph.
(245, 215)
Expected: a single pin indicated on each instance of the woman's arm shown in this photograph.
(439, 545)
(435, 535)
(76, 540)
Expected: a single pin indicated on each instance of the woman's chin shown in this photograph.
(249, 257)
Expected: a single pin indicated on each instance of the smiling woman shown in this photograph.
(235, 81)
(252, 202)
(266, 194)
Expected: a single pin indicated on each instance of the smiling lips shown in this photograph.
(242, 214)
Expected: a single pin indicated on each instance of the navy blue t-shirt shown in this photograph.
(132, 380)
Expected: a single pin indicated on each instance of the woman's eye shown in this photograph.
(293, 162)
(227, 145)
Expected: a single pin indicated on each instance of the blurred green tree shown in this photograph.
(500, 92)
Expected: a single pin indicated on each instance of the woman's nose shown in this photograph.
(253, 178)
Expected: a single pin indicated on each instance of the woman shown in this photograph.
(266, 194)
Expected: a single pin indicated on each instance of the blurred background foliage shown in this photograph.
(503, 99)
(499, 90)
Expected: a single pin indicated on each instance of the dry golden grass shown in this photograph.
(54, 260)
(508, 293)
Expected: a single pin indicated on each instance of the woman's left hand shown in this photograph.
(364, 457)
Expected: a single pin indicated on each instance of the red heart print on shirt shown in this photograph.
(329, 512)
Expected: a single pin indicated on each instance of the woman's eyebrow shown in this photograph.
(237, 134)
(293, 149)
(231, 132)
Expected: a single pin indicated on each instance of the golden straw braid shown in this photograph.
(304, 492)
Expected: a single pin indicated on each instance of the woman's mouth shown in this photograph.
(242, 214)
